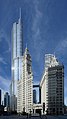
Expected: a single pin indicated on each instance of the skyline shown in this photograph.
(44, 31)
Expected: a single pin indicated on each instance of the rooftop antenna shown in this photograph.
(26, 45)
(54, 54)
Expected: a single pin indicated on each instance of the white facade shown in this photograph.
(50, 61)
(25, 86)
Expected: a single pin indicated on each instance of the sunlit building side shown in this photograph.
(25, 85)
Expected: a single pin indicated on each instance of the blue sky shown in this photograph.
(44, 31)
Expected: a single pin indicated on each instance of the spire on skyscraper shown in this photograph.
(26, 45)
(20, 12)
(26, 49)
(19, 15)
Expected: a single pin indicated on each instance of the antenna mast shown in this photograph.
(20, 13)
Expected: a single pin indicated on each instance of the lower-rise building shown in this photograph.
(34, 96)
(0, 96)
(55, 93)
(7, 100)
(52, 86)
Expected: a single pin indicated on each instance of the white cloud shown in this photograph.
(61, 47)
(2, 60)
(36, 31)
(36, 83)
(36, 20)
(7, 51)
(6, 38)
(4, 83)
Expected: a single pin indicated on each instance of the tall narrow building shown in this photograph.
(7, 100)
(17, 52)
(34, 96)
(0, 97)
(25, 85)
(52, 86)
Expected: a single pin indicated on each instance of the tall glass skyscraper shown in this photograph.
(17, 52)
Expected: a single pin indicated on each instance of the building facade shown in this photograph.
(25, 86)
(55, 93)
(52, 86)
(7, 101)
(34, 96)
(17, 52)
(0, 97)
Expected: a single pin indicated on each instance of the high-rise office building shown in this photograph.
(52, 86)
(55, 93)
(2, 92)
(25, 86)
(34, 96)
(17, 52)
(0, 97)
(7, 100)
